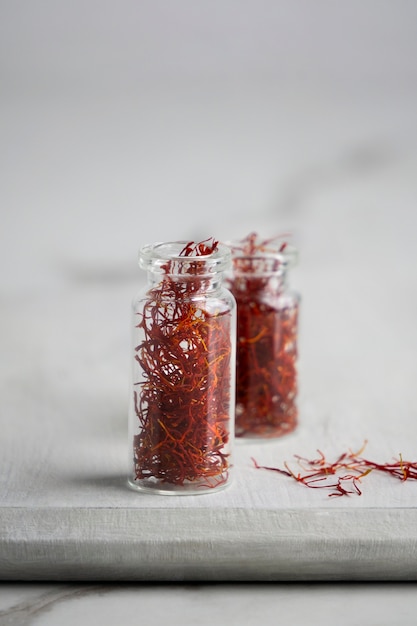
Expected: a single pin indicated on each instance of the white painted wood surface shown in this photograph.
(66, 512)
(95, 168)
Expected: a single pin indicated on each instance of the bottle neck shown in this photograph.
(257, 284)
(177, 274)
(259, 274)
(186, 285)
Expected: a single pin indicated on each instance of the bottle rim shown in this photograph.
(165, 258)
(268, 261)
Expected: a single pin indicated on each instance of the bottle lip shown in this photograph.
(165, 258)
(270, 260)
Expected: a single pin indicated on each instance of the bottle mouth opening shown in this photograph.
(166, 258)
(263, 263)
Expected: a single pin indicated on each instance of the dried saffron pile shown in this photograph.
(343, 476)
(183, 400)
(267, 317)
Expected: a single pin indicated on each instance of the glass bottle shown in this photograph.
(266, 352)
(182, 401)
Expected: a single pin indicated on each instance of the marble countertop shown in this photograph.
(68, 604)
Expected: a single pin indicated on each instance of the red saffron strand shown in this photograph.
(183, 401)
(200, 249)
(348, 469)
(266, 352)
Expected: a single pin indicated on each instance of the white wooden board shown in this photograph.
(65, 509)
(344, 173)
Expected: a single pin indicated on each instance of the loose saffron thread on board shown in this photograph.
(266, 353)
(183, 402)
(318, 472)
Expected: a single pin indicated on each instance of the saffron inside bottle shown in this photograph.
(267, 326)
(182, 403)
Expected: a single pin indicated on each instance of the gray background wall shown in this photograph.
(132, 121)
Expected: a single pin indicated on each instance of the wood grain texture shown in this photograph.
(65, 510)
(237, 544)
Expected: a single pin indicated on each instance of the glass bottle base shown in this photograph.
(194, 488)
(266, 432)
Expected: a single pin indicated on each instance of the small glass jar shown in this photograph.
(266, 352)
(182, 402)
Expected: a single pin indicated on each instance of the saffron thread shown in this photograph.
(266, 353)
(183, 401)
(342, 476)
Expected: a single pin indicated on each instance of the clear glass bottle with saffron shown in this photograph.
(182, 402)
(267, 315)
